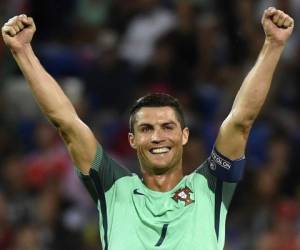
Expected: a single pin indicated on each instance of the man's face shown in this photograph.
(158, 139)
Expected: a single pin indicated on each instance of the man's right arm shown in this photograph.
(17, 34)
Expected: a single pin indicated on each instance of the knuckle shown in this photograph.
(13, 18)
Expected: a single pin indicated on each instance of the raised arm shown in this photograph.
(233, 134)
(17, 34)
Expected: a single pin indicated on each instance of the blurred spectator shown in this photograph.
(152, 21)
(6, 228)
(92, 13)
(107, 53)
(121, 13)
(91, 16)
(28, 238)
(283, 234)
(48, 14)
(109, 76)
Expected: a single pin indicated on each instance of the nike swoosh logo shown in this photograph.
(135, 191)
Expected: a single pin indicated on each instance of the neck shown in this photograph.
(163, 182)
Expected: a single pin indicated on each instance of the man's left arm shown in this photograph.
(234, 132)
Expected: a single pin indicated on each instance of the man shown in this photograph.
(164, 210)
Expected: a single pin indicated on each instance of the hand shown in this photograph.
(277, 25)
(17, 33)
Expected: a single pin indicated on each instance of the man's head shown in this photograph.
(158, 132)
(156, 100)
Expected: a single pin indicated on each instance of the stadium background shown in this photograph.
(106, 53)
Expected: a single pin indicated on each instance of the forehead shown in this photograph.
(155, 115)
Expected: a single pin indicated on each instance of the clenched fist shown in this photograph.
(277, 25)
(17, 33)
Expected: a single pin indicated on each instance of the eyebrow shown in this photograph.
(169, 123)
(144, 124)
(163, 124)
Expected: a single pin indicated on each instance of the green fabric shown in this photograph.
(137, 215)
(93, 13)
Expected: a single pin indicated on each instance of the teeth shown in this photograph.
(160, 150)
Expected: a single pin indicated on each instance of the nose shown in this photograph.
(157, 136)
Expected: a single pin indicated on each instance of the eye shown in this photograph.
(169, 127)
(145, 129)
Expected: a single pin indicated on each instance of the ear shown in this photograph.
(131, 140)
(185, 135)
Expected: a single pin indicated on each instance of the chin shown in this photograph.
(160, 163)
(153, 164)
(162, 166)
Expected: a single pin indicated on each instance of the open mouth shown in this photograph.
(161, 150)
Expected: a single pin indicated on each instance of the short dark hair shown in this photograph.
(156, 100)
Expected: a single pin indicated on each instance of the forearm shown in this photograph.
(48, 94)
(234, 132)
(256, 85)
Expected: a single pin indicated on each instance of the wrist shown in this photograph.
(21, 50)
(270, 43)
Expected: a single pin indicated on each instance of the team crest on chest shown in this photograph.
(183, 194)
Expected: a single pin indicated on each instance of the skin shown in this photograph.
(235, 129)
(158, 127)
(160, 172)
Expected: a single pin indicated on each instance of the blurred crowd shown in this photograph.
(107, 53)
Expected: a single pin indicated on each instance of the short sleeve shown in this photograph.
(219, 177)
(225, 169)
(104, 172)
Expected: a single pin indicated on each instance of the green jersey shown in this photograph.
(191, 216)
